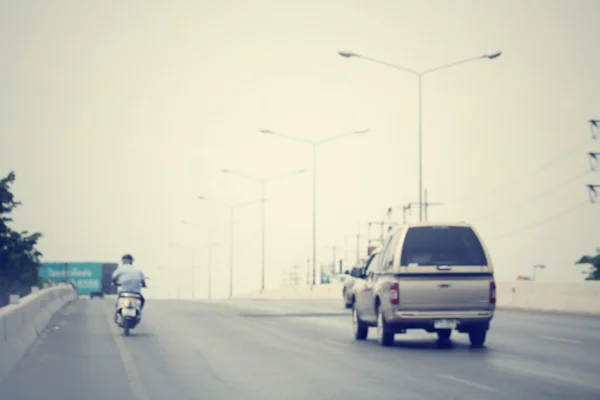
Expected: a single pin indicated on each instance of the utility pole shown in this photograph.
(426, 205)
(594, 157)
(357, 237)
(593, 192)
(594, 128)
(382, 234)
(405, 208)
(210, 246)
(308, 271)
(358, 246)
(193, 283)
(334, 258)
(294, 276)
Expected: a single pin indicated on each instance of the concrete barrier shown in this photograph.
(320, 292)
(22, 321)
(576, 298)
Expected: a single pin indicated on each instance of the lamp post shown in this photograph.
(314, 145)
(209, 245)
(192, 251)
(232, 209)
(263, 182)
(420, 75)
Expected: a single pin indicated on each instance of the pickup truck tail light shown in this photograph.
(395, 293)
(492, 292)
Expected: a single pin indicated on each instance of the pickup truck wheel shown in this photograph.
(361, 331)
(477, 337)
(385, 336)
(444, 334)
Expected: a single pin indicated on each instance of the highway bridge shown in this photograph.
(295, 349)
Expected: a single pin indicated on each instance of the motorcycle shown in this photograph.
(128, 313)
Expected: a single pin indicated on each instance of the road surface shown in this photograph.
(298, 350)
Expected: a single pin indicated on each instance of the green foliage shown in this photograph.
(595, 262)
(19, 258)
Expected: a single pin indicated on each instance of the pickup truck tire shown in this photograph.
(361, 330)
(477, 337)
(385, 336)
(444, 334)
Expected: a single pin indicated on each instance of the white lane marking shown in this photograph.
(464, 381)
(133, 375)
(557, 339)
(337, 342)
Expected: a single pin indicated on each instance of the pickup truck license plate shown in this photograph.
(128, 312)
(445, 324)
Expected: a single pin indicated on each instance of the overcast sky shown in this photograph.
(117, 115)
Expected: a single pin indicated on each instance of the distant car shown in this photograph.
(357, 273)
(349, 281)
(432, 276)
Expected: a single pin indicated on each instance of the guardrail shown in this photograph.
(319, 292)
(576, 298)
(22, 321)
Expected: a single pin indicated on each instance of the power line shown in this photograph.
(539, 195)
(524, 177)
(542, 222)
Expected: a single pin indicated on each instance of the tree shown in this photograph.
(19, 258)
(595, 262)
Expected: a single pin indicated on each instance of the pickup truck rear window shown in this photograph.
(442, 245)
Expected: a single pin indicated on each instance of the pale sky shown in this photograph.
(116, 115)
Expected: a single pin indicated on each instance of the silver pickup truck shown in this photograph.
(432, 276)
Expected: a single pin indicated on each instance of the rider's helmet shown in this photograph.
(127, 259)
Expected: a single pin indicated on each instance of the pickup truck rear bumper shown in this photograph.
(401, 320)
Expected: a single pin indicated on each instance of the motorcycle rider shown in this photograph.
(130, 279)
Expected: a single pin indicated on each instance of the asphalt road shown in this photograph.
(299, 350)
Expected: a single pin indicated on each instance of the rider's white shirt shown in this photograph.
(130, 277)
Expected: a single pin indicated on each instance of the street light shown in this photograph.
(314, 145)
(192, 251)
(420, 74)
(263, 182)
(232, 209)
(208, 246)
